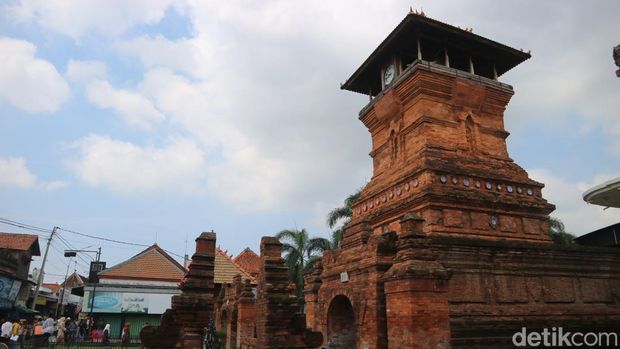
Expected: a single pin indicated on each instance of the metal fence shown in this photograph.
(44, 344)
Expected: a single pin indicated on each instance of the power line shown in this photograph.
(25, 226)
(115, 241)
(61, 252)
(43, 230)
(71, 247)
(104, 239)
(174, 254)
(50, 274)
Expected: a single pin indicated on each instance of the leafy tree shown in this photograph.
(300, 253)
(341, 214)
(558, 233)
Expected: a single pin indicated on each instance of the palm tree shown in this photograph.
(558, 233)
(341, 214)
(301, 253)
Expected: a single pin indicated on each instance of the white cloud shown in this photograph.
(256, 86)
(263, 155)
(15, 173)
(54, 185)
(134, 108)
(184, 55)
(83, 72)
(76, 18)
(578, 216)
(27, 82)
(240, 172)
(126, 168)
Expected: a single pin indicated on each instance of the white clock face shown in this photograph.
(388, 75)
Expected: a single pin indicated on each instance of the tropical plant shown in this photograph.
(341, 214)
(300, 253)
(558, 232)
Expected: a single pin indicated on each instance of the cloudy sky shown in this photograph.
(151, 121)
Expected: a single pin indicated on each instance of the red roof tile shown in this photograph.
(249, 261)
(20, 242)
(54, 287)
(151, 264)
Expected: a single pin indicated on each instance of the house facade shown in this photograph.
(16, 252)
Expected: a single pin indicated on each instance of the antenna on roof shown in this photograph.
(185, 253)
(155, 238)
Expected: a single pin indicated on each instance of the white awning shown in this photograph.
(606, 194)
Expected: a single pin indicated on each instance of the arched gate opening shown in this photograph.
(341, 326)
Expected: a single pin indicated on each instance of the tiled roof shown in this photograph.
(20, 242)
(75, 280)
(226, 269)
(249, 261)
(151, 264)
(54, 287)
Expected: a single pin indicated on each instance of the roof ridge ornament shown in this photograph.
(416, 12)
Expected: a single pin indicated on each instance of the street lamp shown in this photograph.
(93, 267)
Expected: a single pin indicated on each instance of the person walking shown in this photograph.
(81, 331)
(106, 335)
(71, 331)
(16, 331)
(23, 333)
(48, 328)
(39, 339)
(126, 336)
(5, 331)
(94, 336)
(60, 327)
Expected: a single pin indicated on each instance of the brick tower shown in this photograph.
(436, 118)
(443, 195)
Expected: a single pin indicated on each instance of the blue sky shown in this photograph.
(150, 121)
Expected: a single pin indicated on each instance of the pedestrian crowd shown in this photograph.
(19, 332)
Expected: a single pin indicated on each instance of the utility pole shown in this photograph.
(40, 279)
(61, 299)
(92, 298)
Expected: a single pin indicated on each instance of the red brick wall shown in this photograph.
(498, 288)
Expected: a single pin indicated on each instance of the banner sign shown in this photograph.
(116, 302)
(15, 290)
(135, 303)
(5, 287)
(9, 289)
